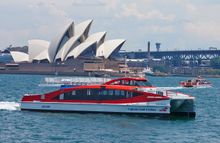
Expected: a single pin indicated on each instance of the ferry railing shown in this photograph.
(72, 81)
(171, 93)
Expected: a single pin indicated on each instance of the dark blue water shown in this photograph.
(26, 126)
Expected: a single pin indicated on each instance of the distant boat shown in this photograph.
(148, 71)
(196, 82)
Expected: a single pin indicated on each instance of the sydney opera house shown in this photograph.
(72, 43)
(73, 51)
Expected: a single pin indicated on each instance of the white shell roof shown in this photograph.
(83, 28)
(67, 47)
(55, 43)
(42, 56)
(96, 36)
(79, 49)
(108, 47)
(93, 39)
(19, 56)
(72, 41)
(35, 47)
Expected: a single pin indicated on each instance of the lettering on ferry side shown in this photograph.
(141, 109)
(45, 106)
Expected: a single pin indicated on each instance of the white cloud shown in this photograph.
(191, 21)
(51, 7)
(162, 29)
(15, 37)
(88, 2)
(190, 8)
(111, 4)
(132, 10)
(203, 21)
(157, 29)
(204, 30)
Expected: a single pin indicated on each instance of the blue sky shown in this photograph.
(177, 24)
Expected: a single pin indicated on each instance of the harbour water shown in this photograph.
(26, 126)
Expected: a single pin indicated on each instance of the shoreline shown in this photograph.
(88, 74)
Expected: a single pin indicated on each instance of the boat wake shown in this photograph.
(180, 87)
(5, 105)
(203, 87)
(170, 88)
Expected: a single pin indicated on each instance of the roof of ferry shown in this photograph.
(110, 87)
(126, 79)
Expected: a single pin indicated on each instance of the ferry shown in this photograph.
(122, 95)
(196, 82)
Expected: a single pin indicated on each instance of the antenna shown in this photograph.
(158, 46)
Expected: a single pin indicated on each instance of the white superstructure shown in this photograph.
(19, 56)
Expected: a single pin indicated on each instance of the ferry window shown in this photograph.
(125, 82)
(105, 92)
(128, 94)
(122, 92)
(81, 92)
(61, 96)
(100, 92)
(88, 92)
(94, 92)
(132, 82)
(160, 93)
(122, 82)
(117, 92)
(136, 94)
(73, 92)
(67, 95)
(143, 83)
(131, 94)
(111, 92)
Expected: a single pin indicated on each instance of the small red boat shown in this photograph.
(122, 95)
(196, 82)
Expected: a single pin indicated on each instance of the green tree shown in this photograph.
(159, 68)
(215, 63)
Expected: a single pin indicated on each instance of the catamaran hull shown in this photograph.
(97, 108)
(186, 109)
(183, 107)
